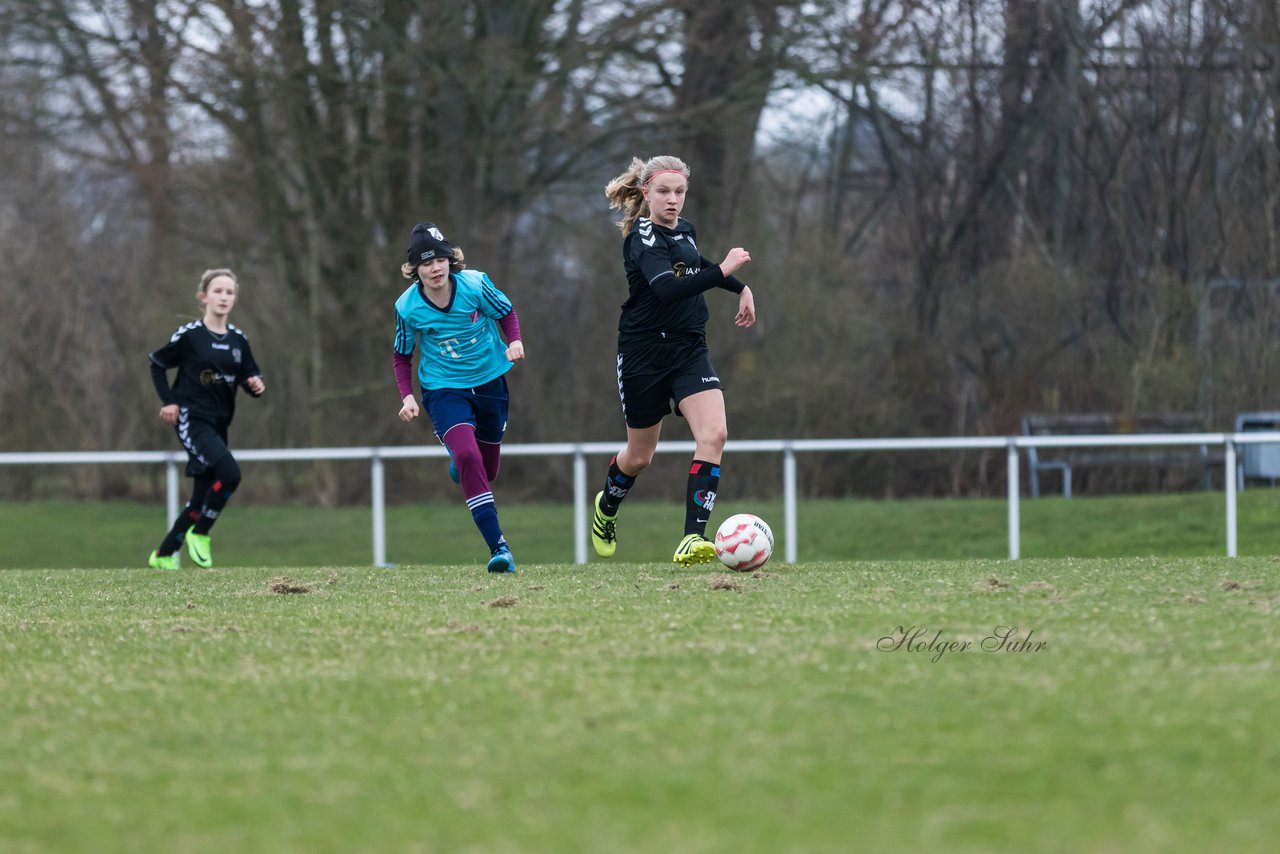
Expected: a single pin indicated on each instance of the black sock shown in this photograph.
(173, 540)
(700, 496)
(616, 487)
(215, 499)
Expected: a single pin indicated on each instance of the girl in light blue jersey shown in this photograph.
(457, 319)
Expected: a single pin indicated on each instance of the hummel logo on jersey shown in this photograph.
(220, 346)
(711, 379)
(647, 237)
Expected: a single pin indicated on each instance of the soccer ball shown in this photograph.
(744, 542)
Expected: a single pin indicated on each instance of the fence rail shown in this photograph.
(579, 451)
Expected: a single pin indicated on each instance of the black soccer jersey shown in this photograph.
(667, 277)
(210, 366)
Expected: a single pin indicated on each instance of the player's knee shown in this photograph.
(467, 458)
(228, 474)
(715, 438)
(633, 462)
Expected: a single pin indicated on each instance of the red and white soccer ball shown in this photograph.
(744, 542)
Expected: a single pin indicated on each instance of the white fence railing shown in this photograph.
(578, 451)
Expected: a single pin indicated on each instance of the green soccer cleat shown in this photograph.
(200, 549)
(694, 548)
(604, 535)
(157, 561)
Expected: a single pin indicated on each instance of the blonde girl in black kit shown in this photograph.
(662, 347)
(213, 359)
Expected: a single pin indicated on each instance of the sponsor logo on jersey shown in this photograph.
(211, 377)
(474, 316)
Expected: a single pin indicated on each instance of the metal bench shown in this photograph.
(1102, 424)
(1257, 461)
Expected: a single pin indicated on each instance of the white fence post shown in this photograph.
(1015, 536)
(789, 503)
(173, 502)
(1229, 484)
(579, 505)
(377, 488)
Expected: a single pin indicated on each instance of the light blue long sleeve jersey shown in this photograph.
(461, 346)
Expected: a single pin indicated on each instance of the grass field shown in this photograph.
(637, 707)
(300, 700)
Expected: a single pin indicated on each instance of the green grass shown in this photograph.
(636, 707)
(105, 535)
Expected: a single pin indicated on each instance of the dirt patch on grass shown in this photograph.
(283, 584)
(503, 602)
(723, 582)
(994, 584)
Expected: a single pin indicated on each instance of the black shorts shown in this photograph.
(653, 374)
(205, 440)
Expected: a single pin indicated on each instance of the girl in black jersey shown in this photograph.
(213, 358)
(662, 347)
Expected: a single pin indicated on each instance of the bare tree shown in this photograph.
(976, 208)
